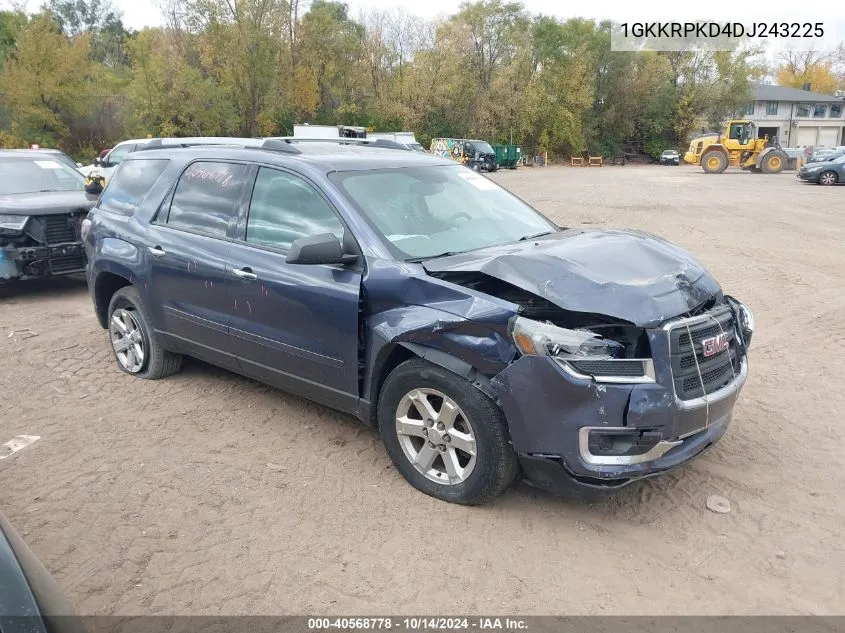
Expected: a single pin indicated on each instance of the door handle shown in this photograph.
(156, 251)
(244, 273)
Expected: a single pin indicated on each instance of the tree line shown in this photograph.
(72, 76)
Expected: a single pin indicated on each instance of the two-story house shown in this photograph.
(797, 118)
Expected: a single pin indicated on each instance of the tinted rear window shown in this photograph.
(130, 183)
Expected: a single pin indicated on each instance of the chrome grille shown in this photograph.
(694, 379)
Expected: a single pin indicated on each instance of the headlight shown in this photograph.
(581, 353)
(12, 223)
(746, 322)
(544, 339)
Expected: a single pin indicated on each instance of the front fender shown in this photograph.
(469, 348)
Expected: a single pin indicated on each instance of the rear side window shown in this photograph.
(207, 197)
(129, 185)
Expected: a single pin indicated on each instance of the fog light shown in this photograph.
(633, 442)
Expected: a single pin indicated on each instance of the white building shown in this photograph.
(797, 118)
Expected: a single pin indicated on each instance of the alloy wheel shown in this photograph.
(127, 339)
(436, 436)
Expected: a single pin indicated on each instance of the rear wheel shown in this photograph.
(714, 162)
(828, 178)
(447, 438)
(773, 162)
(135, 347)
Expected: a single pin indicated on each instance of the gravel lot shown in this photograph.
(209, 493)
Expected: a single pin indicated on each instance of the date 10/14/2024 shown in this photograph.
(418, 624)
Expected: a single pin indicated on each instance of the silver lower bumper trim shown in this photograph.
(656, 451)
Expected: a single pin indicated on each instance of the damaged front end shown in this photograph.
(41, 245)
(595, 400)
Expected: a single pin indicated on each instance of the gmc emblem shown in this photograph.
(715, 344)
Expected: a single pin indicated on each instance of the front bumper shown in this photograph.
(809, 177)
(29, 262)
(552, 415)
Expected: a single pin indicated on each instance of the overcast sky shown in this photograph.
(140, 13)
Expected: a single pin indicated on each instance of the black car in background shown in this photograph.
(42, 205)
(30, 601)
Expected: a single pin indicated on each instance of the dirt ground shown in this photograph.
(207, 493)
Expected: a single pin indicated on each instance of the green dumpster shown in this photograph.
(508, 156)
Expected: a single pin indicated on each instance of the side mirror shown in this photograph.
(318, 249)
(98, 161)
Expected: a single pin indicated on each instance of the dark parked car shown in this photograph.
(822, 155)
(423, 298)
(670, 157)
(42, 205)
(829, 172)
(30, 601)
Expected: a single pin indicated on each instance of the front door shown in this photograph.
(293, 325)
(188, 245)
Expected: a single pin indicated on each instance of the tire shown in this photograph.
(471, 480)
(475, 167)
(828, 178)
(127, 308)
(773, 162)
(714, 162)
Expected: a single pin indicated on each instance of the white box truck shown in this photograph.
(328, 131)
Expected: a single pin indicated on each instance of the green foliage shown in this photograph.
(74, 76)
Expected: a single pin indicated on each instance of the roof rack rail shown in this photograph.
(286, 144)
(232, 141)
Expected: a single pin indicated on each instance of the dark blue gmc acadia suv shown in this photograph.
(481, 339)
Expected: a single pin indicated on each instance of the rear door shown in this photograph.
(187, 246)
(293, 325)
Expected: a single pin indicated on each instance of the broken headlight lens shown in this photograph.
(582, 353)
(544, 339)
(746, 322)
(10, 224)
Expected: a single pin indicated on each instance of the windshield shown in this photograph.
(416, 147)
(670, 152)
(31, 174)
(483, 147)
(429, 211)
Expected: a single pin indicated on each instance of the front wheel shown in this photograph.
(773, 162)
(714, 162)
(828, 178)
(447, 438)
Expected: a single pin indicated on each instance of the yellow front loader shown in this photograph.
(736, 146)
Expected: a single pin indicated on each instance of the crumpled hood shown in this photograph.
(624, 274)
(47, 203)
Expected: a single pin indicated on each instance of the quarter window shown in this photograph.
(128, 187)
(206, 197)
(285, 208)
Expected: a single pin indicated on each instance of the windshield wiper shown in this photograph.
(531, 237)
(417, 260)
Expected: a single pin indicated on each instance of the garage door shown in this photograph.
(806, 136)
(829, 137)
